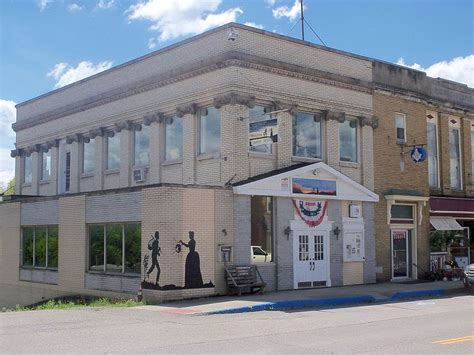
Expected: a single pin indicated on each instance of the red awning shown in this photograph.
(451, 206)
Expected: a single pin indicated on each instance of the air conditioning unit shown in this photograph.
(138, 175)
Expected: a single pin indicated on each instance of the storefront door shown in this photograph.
(310, 258)
(400, 253)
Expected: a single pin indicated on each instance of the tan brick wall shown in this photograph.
(9, 243)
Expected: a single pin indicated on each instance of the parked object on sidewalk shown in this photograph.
(429, 275)
(244, 276)
(468, 276)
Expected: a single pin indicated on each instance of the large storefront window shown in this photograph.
(307, 135)
(40, 247)
(261, 229)
(115, 248)
(432, 133)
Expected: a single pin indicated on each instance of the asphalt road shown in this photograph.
(424, 326)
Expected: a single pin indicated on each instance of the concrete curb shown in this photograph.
(330, 301)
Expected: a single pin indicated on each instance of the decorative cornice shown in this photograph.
(368, 121)
(233, 98)
(338, 116)
(152, 117)
(229, 59)
(185, 109)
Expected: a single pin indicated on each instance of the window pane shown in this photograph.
(96, 248)
(402, 211)
(210, 131)
(46, 165)
(261, 226)
(432, 154)
(113, 151)
(114, 247)
(400, 126)
(53, 246)
(28, 246)
(89, 157)
(307, 135)
(348, 141)
(40, 246)
(142, 146)
(28, 170)
(132, 248)
(257, 113)
(454, 155)
(174, 138)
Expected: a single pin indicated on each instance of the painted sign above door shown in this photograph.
(310, 211)
(314, 187)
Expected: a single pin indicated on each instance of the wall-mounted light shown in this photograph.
(287, 232)
(224, 231)
(336, 232)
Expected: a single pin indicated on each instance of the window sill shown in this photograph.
(349, 164)
(112, 171)
(208, 156)
(44, 182)
(87, 175)
(262, 155)
(26, 267)
(27, 184)
(305, 159)
(172, 162)
(113, 274)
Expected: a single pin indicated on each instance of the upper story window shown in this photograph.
(209, 131)
(88, 156)
(141, 145)
(46, 165)
(307, 135)
(472, 152)
(432, 140)
(40, 247)
(400, 127)
(115, 248)
(27, 169)
(256, 114)
(348, 141)
(174, 138)
(113, 152)
(455, 154)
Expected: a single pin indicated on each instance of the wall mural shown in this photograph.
(192, 268)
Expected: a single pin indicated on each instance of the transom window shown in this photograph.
(348, 141)
(115, 248)
(209, 131)
(46, 165)
(88, 161)
(141, 155)
(174, 138)
(40, 247)
(113, 151)
(307, 135)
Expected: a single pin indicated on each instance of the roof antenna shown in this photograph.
(302, 20)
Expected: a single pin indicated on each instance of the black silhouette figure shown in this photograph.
(192, 270)
(154, 246)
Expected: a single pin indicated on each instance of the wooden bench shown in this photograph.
(244, 276)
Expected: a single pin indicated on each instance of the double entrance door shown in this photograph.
(311, 251)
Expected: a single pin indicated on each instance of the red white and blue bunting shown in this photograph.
(310, 211)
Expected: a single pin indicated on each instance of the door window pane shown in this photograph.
(262, 225)
(96, 248)
(348, 141)
(257, 113)
(142, 146)
(318, 247)
(455, 156)
(303, 251)
(209, 131)
(28, 246)
(27, 174)
(53, 246)
(307, 135)
(114, 247)
(46, 165)
(432, 154)
(40, 246)
(173, 138)
(132, 248)
(88, 163)
(113, 151)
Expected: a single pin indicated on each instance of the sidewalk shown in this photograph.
(321, 297)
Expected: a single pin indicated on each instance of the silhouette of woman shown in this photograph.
(192, 270)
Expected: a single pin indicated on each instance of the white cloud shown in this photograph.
(175, 18)
(460, 69)
(7, 135)
(270, 2)
(65, 74)
(106, 4)
(291, 13)
(253, 24)
(43, 4)
(152, 43)
(74, 7)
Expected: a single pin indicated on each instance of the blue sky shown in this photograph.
(49, 43)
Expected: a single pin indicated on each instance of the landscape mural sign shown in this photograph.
(314, 187)
(263, 132)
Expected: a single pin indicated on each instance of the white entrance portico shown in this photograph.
(325, 227)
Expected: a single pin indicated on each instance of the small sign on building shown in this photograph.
(263, 132)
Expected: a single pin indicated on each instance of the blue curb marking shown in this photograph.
(330, 301)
